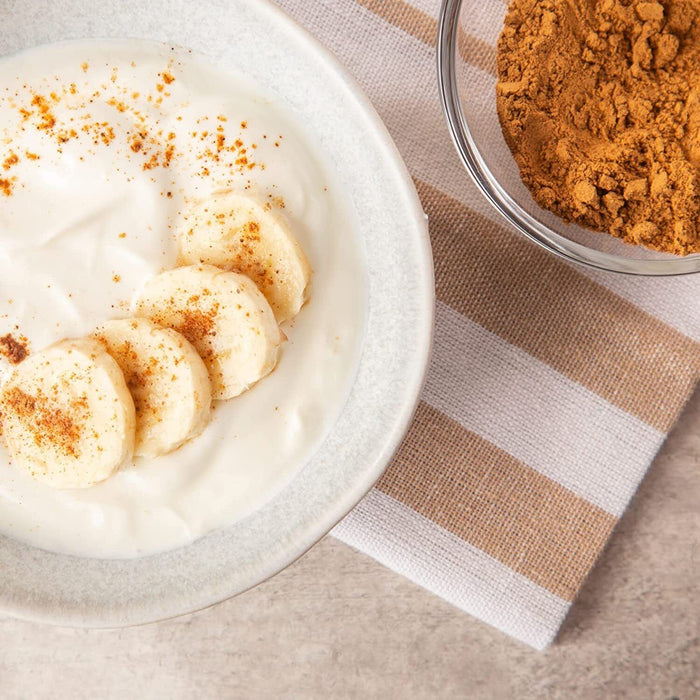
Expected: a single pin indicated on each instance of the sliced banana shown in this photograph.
(225, 317)
(236, 232)
(168, 381)
(67, 415)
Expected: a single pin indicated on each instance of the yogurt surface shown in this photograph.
(103, 147)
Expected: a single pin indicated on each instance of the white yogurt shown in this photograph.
(83, 225)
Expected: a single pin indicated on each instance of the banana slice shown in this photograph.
(167, 379)
(225, 317)
(67, 415)
(236, 232)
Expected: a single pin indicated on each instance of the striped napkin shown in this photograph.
(551, 387)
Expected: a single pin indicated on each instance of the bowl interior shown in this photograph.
(257, 40)
(470, 79)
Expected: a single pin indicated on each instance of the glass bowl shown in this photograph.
(467, 34)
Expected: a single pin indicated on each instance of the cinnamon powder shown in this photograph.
(47, 422)
(599, 101)
(15, 350)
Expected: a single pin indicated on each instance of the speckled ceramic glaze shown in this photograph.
(256, 39)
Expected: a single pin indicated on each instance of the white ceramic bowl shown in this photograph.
(256, 39)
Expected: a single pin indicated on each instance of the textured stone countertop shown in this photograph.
(337, 624)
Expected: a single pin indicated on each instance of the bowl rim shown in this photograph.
(357, 481)
(521, 220)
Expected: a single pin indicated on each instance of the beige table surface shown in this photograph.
(337, 624)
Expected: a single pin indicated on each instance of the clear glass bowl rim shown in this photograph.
(535, 230)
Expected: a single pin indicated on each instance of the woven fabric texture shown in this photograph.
(551, 387)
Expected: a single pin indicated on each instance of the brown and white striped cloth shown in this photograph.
(551, 387)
